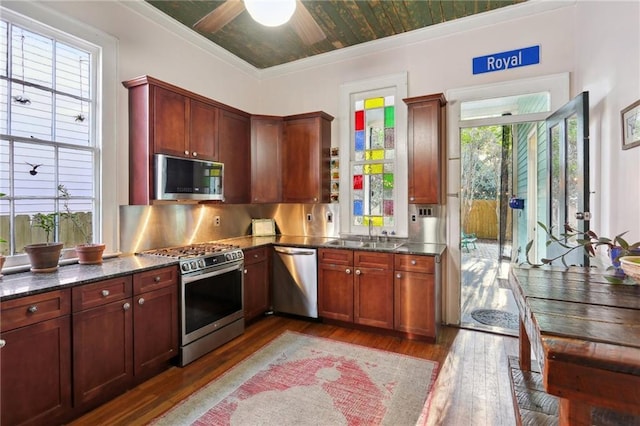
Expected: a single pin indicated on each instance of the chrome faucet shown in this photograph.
(370, 227)
(385, 236)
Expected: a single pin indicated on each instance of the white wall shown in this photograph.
(608, 66)
(596, 41)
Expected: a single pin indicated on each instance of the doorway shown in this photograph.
(487, 227)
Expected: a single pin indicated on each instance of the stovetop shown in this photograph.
(191, 250)
(200, 256)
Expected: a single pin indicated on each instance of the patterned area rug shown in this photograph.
(496, 318)
(304, 380)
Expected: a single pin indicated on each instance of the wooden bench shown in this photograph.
(585, 336)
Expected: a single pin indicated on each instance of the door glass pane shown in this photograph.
(574, 178)
(557, 197)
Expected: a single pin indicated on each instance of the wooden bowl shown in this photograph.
(631, 266)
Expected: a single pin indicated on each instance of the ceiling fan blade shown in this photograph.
(305, 26)
(220, 16)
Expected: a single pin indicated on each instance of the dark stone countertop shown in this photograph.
(428, 249)
(28, 283)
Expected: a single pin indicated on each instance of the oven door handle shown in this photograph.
(186, 279)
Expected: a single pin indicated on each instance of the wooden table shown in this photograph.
(585, 334)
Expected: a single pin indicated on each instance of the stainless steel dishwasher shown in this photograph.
(295, 281)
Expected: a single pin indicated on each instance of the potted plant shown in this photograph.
(572, 239)
(44, 257)
(89, 253)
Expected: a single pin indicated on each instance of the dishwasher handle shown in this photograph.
(294, 251)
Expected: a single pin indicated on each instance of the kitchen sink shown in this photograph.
(379, 245)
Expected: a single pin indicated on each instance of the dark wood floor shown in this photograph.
(472, 387)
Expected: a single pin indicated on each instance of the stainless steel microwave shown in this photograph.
(185, 178)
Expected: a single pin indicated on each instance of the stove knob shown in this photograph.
(227, 256)
(185, 267)
(201, 263)
(193, 264)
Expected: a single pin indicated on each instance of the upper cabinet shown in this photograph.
(165, 119)
(234, 129)
(425, 146)
(266, 159)
(305, 158)
(266, 166)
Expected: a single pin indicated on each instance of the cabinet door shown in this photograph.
(233, 150)
(102, 353)
(256, 289)
(203, 131)
(155, 330)
(266, 178)
(35, 373)
(373, 297)
(415, 299)
(305, 160)
(425, 150)
(335, 292)
(169, 119)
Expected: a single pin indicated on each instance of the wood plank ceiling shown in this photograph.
(335, 23)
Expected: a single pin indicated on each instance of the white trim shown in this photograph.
(507, 13)
(399, 83)
(107, 72)
(558, 86)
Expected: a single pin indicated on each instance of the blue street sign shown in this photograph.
(506, 60)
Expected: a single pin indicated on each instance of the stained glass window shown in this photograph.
(373, 154)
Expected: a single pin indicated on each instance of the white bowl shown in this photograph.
(631, 266)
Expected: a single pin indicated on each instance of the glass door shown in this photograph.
(568, 136)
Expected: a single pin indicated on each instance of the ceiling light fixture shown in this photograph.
(270, 13)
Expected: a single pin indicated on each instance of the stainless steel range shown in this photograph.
(211, 295)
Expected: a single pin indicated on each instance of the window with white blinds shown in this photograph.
(47, 134)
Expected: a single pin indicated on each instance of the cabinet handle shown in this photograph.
(414, 262)
(32, 309)
(245, 271)
(358, 272)
(105, 293)
(186, 153)
(126, 306)
(157, 279)
(141, 301)
(398, 275)
(195, 154)
(412, 198)
(255, 256)
(2, 343)
(348, 271)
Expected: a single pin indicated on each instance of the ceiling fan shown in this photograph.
(302, 22)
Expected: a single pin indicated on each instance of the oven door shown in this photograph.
(211, 300)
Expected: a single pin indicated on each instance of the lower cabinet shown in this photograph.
(102, 341)
(356, 286)
(416, 307)
(257, 292)
(96, 339)
(383, 290)
(35, 359)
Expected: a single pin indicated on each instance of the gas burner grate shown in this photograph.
(192, 250)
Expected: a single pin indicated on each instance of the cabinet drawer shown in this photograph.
(372, 259)
(414, 263)
(154, 279)
(256, 255)
(32, 309)
(100, 293)
(335, 257)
